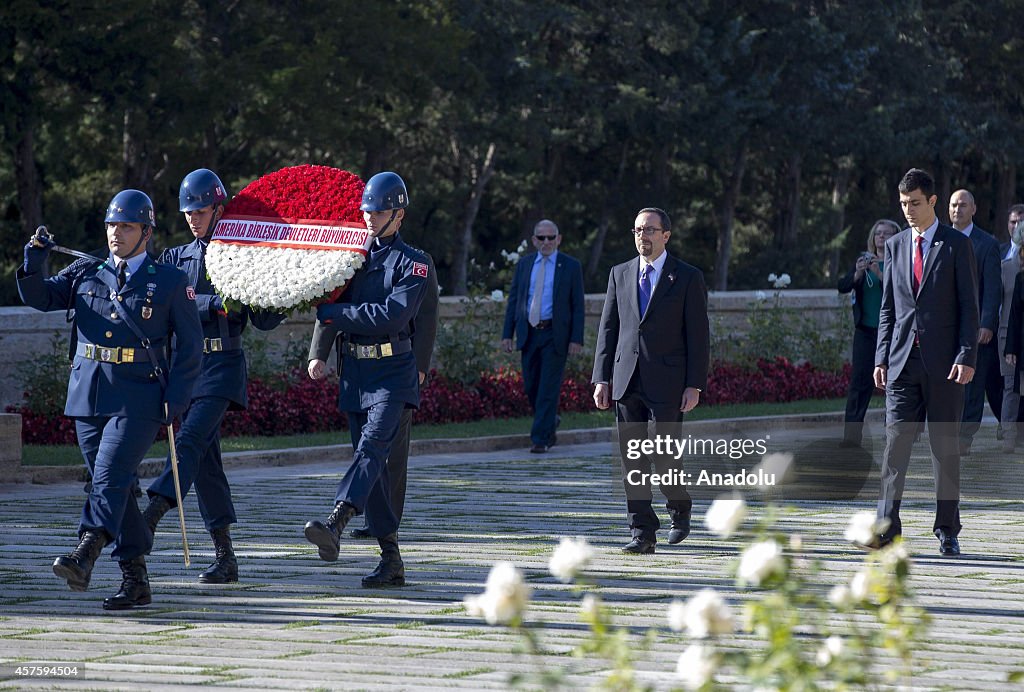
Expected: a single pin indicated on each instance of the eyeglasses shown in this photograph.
(545, 237)
(645, 230)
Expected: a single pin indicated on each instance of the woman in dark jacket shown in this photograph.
(865, 281)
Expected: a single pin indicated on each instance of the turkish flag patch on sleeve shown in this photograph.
(190, 293)
(419, 269)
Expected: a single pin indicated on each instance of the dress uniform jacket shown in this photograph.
(224, 372)
(159, 301)
(377, 308)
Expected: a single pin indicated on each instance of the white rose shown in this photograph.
(784, 280)
(590, 607)
(677, 615)
(707, 614)
(772, 278)
(504, 598)
(840, 596)
(725, 515)
(760, 561)
(513, 257)
(863, 585)
(863, 528)
(832, 648)
(696, 666)
(761, 295)
(570, 558)
(497, 295)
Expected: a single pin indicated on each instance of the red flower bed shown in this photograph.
(292, 403)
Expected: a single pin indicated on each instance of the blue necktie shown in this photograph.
(645, 288)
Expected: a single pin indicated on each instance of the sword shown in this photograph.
(43, 238)
(177, 484)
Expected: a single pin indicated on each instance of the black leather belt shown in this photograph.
(231, 343)
(543, 324)
(376, 351)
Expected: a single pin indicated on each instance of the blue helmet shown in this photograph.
(201, 188)
(385, 191)
(131, 206)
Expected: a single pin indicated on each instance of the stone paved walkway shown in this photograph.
(294, 622)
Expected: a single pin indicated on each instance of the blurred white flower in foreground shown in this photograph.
(697, 665)
(832, 648)
(497, 295)
(504, 598)
(703, 615)
(760, 561)
(864, 528)
(570, 558)
(725, 515)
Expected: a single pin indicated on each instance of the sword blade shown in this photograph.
(75, 253)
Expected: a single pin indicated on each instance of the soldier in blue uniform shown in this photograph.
(122, 389)
(221, 385)
(378, 375)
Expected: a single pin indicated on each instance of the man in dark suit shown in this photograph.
(990, 294)
(545, 316)
(927, 349)
(652, 356)
(1009, 253)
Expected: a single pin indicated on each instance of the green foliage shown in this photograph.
(776, 330)
(469, 346)
(45, 378)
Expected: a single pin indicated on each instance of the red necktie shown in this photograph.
(919, 264)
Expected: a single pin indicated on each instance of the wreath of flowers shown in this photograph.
(284, 278)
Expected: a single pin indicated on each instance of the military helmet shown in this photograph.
(201, 188)
(383, 192)
(131, 206)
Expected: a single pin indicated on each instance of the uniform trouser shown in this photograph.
(862, 382)
(974, 392)
(199, 462)
(366, 484)
(634, 416)
(398, 464)
(542, 378)
(908, 400)
(112, 448)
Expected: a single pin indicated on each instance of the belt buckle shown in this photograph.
(216, 344)
(367, 351)
(386, 350)
(110, 355)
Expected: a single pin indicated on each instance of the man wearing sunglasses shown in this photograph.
(545, 316)
(651, 360)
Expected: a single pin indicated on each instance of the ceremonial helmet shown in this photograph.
(201, 188)
(131, 206)
(383, 192)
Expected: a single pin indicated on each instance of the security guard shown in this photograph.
(378, 375)
(221, 385)
(126, 310)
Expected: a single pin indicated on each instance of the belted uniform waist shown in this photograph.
(111, 354)
(230, 343)
(543, 324)
(384, 350)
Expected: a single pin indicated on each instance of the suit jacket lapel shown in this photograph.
(933, 255)
(631, 286)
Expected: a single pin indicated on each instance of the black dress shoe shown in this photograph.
(948, 544)
(538, 449)
(362, 532)
(679, 531)
(639, 546)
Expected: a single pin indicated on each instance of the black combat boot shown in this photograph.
(158, 506)
(390, 571)
(134, 589)
(77, 567)
(224, 568)
(327, 536)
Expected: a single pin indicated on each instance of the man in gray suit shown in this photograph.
(652, 356)
(927, 349)
(990, 294)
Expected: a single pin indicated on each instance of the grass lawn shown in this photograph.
(63, 455)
